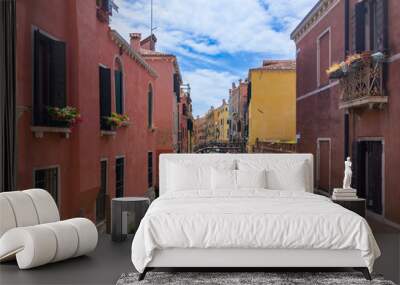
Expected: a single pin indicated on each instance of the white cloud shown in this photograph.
(209, 87)
(199, 31)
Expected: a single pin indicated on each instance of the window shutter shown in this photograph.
(177, 87)
(150, 108)
(355, 164)
(359, 31)
(381, 25)
(37, 79)
(105, 96)
(57, 74)
(118, 92)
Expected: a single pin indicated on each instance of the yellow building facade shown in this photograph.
(221, 123)
(272, 107)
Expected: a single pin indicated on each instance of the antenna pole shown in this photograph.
(151, 17)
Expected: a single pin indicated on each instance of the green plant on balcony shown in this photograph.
(68, 115)
(116, 120)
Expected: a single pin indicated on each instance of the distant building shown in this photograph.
(272, 103)
(359, 114)
(185, 133)
(200, 131)
(237, 111)
(221, 123)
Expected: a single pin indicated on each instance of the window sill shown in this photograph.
(39, 131)
(107, 133)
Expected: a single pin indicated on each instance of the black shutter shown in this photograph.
(57, 74)
(150, 108)
(359, 31)
(177, 86)
(105, 96)
(118, 92)
(41, 78)
(355, 164)
(381, 25)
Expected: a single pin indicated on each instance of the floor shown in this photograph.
(110, 260)
(104, 266)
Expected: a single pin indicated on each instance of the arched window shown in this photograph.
(119, 96)
(150, 107)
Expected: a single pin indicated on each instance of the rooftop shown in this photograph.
(277, 65)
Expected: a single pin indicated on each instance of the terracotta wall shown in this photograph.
(88, 44)
(318, 115)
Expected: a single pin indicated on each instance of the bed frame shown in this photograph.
(242, 259)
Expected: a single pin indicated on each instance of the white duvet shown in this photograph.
(250, 219)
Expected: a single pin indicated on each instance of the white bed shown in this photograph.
(248, 227)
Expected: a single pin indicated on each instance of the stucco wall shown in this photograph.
(272, 109)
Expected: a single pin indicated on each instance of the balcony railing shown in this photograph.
(363, 86)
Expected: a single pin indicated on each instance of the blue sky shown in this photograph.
(216, 42)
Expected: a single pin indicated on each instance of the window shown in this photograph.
(101, 197)
(323, 57)
(105, 96)
(47, 179)
(370, 26)
(118, 77)
(119, 177)
(177, 86)
(150, 169)
(49, 78)
(150, 107)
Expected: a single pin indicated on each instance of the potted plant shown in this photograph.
(335, 71)
(63, 116)
(116, 120)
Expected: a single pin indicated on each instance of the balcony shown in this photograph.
(363, 86)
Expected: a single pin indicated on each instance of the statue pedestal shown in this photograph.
(344, 194)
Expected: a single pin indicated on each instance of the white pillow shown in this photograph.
(251, 178)
(223, 179)
(182, 177)
(282, 174)
(292, 178)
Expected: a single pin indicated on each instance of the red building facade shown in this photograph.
(358, 114)
(68, 55)
(165, 109)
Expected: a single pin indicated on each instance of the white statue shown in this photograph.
(347, 174)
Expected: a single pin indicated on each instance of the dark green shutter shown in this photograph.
(105, 96)
(359, 30)
(57, 74)
(150, 108)
(381, 25)
(177, 86)
(118, 92)
(49, 77)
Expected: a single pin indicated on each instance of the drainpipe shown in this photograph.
(346, 52)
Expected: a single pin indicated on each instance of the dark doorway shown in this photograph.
(119, 174)
(101, 197)
(367, 156)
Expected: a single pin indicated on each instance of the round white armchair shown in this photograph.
(31, 230)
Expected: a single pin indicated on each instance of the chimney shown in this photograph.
(223, 102)
(240, 81)
(233, 85)
(135, 41)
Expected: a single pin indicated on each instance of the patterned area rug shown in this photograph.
(229, 278)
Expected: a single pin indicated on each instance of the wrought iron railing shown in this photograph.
(363, 84)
